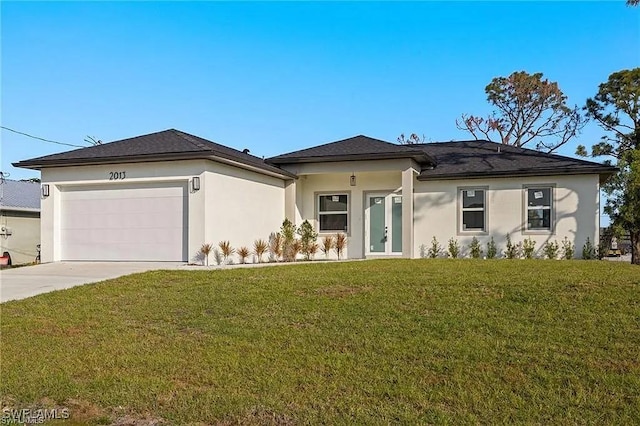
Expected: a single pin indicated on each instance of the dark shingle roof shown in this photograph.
(356, 148)
(168, 145)
(469, 159)
(16, 194)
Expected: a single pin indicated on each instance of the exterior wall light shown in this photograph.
(45, 190)
(352, 180)
(195, 183)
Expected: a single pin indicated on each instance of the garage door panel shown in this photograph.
(126, 223)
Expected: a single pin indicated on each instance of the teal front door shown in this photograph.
(383, 223)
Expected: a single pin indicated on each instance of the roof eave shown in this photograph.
(205, 155)
(604, 173)
(419, 156)
(19, 209)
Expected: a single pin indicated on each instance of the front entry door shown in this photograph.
(383, 217)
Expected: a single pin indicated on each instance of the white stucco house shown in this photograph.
(161, 196)
(19, 220)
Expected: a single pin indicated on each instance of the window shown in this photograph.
(472, 203)
(539, 208)
(333, 212)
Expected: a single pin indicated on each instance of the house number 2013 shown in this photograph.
(117, 175)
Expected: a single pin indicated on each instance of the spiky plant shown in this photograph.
(310, 250)
(275, 246)
(293, 250)
(340, 244)
(243, 253)
(226, 249)
(327, 245)
(259, 249)
(206, 249)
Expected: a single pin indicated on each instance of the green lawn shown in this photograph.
(375, 342)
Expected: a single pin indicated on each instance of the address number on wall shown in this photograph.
(117, 175)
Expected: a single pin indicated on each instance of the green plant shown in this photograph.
(475, 249)
(435, 249)
(243, 253)
(288, 232)
(259, 249)
(551, 249)
(308, 237)
(275, 246)
(529, 248)
(568, 249)
(226, 249)
(206, 250)
(453, 248)
(340, 244)
(588, 250)
(513, 250)
(327, 244)
(492, 249)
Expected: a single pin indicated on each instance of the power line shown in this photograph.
(41, 139)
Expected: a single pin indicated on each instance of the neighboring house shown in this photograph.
(161, 196)
(19, 220)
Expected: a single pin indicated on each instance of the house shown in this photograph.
(161, 196)
(19, 220)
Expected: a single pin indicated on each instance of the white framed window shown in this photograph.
(473, 209)
(333, 212)
(539, 208)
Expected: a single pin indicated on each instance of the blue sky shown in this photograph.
(275, 77)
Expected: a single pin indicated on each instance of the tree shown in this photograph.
(92, 140)
(411, 140)
(529, 109)
(633, 2)
(616, 108)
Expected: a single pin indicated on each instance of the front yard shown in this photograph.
(388, 341)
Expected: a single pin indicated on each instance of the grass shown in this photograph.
(375, 342)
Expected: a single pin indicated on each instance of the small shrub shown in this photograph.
(327, 244)
(226, 249)
(512, 251)
(588, 250)
(308, 237)
(288, 232)
(217, 256)
(259, 249)
(475, 249)
(492, 249)
(294, 249)
(568, 249)
(310, 250)
(340, 244)
(243, 253)
(528, 248)
(275, 246)
(551, 249)
(423, 251)
(453, 248)
(206, 250)
(435, 249)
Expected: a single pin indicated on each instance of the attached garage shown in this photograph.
(142, 222)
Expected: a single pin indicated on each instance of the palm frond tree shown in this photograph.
(327, 245)
(206, 249)
(259, 248)
(226, 249)
(243, 253)
(340, 244)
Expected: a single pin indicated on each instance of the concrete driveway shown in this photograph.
(27, 281)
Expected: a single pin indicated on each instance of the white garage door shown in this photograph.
(124, 222)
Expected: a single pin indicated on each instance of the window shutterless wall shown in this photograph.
(576, 206)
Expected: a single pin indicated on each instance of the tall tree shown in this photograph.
(633, 2)
(616, 108)
(529, 109)
(411, 140)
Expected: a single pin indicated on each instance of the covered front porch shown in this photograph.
(369, 201)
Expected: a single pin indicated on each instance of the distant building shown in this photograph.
(19, 220)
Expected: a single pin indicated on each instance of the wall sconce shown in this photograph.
(352, 180)
(195, 183)
(45, 190)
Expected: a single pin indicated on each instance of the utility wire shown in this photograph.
(41, 139)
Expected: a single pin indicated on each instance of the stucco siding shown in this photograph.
(241, 206)
(20, 236)
(575, 212)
